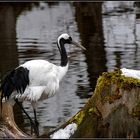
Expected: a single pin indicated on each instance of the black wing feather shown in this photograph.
(17, 80)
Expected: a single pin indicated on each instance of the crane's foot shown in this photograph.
(34, 129)
(37, 127)
(36, 123)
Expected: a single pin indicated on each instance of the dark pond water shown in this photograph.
(110, 32)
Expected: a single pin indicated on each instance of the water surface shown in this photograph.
(30, 32)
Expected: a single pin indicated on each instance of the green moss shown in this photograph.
(91, 110)
(88, 109)
(94, 112)
(78, 118)
(110, 83)
(87, 129)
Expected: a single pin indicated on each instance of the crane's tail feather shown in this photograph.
(17, 80)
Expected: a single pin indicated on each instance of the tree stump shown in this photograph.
(113, 111)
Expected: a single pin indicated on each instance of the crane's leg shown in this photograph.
(31, 121)
(36, 122)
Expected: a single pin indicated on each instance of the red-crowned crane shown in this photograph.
(36, 80)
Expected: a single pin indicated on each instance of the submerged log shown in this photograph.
(8, 127)
(113, 111)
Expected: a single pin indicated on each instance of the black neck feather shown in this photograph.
(63, 53)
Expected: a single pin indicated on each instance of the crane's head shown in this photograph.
(67, 39)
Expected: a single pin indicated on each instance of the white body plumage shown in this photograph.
(36, 80)
(44, 79)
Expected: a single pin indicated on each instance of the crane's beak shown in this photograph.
(78, 45)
